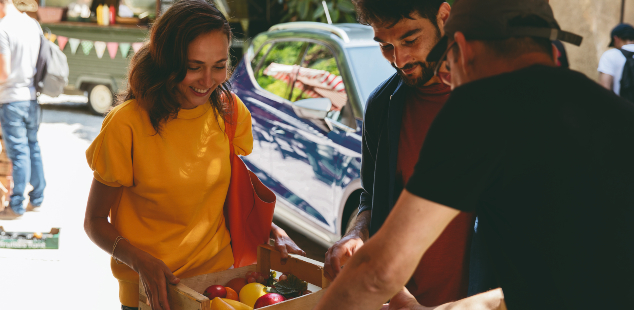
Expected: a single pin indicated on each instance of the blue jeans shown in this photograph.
(20, 122)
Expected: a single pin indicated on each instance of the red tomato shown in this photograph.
(215, 291)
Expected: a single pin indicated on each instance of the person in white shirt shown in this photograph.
(20, 38)
(612, 61)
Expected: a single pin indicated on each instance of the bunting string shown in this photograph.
(100, 46)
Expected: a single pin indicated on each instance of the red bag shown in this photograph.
(248, 207)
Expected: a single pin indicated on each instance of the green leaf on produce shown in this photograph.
(271, 280)
(291, 287)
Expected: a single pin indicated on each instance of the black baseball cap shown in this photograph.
(489, 20)
(625, 31)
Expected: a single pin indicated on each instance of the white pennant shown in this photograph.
(74, 44)
(100, 48)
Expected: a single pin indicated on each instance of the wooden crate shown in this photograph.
(187, 295)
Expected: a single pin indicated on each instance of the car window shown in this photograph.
(258, 58)
(320, 77)
(275, 73)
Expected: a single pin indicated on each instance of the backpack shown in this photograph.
(51, 73)
(627, 79)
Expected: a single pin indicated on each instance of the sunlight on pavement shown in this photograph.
(78, 274)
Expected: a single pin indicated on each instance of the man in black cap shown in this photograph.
(542, 153)
(613, 61)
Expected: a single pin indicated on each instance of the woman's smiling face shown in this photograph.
(206, 68)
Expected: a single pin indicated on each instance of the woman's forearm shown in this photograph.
(104, 235)
(101, 231)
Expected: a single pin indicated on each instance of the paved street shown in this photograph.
(77, 276)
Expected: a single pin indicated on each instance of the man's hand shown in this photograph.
(404, 300)
(491, 300)
(343, 249)
(339, 253)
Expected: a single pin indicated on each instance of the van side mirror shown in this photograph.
(315, 108)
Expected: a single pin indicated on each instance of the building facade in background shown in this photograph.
(593, 19)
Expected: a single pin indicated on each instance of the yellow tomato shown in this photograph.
(250, 293)
(227, 304)
(236, 304)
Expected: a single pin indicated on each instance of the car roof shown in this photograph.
(349, 33)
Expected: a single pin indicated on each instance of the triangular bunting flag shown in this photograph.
(74, 43)
(136, 46)
(52, 37)
(112, 49)
(61, 41)
(125, 48)
(86, 46)
(100, 47)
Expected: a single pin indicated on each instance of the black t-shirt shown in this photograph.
(546, 158)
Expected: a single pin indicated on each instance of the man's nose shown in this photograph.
(401, 57)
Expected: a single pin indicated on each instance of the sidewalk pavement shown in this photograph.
(77, 276)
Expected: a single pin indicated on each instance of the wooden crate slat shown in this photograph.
(302, 267)
(182, 297)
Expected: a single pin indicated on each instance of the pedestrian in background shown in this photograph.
(542, 153)
(161, 161)
(612, 62)
(19, 110)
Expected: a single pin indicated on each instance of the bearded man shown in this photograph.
(398, 115)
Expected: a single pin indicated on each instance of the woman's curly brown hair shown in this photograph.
(158, 67)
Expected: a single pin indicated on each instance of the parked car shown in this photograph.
(306, 85)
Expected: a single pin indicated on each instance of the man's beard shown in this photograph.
(427, 73)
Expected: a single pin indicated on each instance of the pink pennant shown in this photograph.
(112, 49)
(61, 41)
(136, 46)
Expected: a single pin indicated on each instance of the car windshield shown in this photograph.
(370, 69)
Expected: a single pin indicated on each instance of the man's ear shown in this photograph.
(443, 15)
(466, 51)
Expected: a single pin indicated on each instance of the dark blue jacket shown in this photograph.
(381, 133)
(381, 189)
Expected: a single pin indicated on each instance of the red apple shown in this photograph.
(268, 299)
(215, 291)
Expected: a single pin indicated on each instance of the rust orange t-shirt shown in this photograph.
(443, 273)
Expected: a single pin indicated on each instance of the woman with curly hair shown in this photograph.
(161, 161)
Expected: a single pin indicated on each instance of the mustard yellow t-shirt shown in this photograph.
(174, 187)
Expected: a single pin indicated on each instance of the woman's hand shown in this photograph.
(154, 275)
(284, 244)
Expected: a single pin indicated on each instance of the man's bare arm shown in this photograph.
(606, 80)
(386, 262)
(5, 67)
